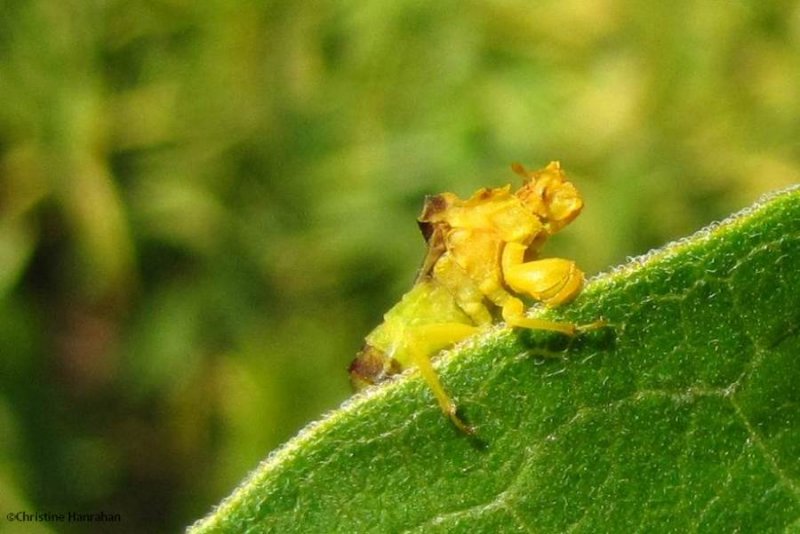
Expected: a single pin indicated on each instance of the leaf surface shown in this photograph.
(683, 415)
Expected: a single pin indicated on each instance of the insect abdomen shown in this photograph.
(371, 366)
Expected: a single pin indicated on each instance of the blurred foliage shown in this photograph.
(205, 205)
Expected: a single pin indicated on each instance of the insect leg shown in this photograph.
(553, 281)
(422, 342)
(514, 315)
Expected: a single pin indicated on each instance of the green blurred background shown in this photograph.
(204, 206)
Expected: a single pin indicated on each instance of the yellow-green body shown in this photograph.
(427, 303)
(482, 256)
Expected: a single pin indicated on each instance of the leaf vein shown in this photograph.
(769, 455)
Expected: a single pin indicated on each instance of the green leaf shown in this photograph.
(682, 416)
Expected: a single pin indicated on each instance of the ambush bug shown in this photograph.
(482, 256)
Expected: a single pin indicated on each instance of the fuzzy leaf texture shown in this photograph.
(683, 416)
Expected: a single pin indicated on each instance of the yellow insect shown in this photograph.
(481, 257)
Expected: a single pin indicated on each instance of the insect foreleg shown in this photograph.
(553, 281)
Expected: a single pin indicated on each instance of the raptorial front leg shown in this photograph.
(553, 281)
